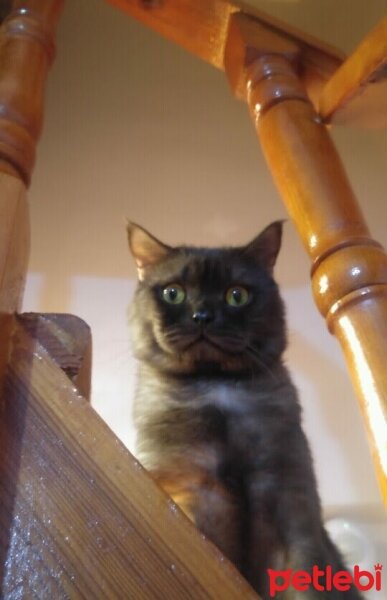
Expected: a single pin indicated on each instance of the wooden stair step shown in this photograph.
(80, 517)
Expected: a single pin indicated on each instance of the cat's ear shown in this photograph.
(265, 247)
(145, 248)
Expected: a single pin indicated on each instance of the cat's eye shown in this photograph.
(174, 294)
(237, 296)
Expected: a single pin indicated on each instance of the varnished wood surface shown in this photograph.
(360, 323)
(201, 27)
(357, 93)
(318, 197)
(247, 40)
(349, 268)
(80, 518)
(27, 48)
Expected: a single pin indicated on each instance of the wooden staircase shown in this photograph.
(79, 515)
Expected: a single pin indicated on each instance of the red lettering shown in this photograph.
(301, 581)
(316, 573)
(378, 577)
(357, 575)
(328, 578)
(280, 581)
(274, 585)
(342, 581)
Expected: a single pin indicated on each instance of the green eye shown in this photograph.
(237, 296)
(174, 294)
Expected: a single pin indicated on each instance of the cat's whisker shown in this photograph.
(253, 352)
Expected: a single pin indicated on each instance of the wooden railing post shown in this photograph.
(26, 52)
(27, 48)
(349, 269)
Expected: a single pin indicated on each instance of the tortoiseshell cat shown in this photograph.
(217, 416)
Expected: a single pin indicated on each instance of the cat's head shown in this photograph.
(207, 309)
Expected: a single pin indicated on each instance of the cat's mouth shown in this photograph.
(224, 344)
(206, 349)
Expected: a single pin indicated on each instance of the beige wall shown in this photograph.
(137, 128)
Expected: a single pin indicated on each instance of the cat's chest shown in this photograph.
(230, 399)
(230, 418)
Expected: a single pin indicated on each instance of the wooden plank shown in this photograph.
(357, 93)
(201, 27)
(79, 516)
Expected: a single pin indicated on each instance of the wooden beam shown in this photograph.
(201, 27)
(79, 517)
(357, 93)
(349, 268)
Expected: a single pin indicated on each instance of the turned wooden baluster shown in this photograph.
(26, 52)
(349, 269)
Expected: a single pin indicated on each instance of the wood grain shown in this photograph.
(357, 93)
(80, 518)
(349, 268)
(316, 192)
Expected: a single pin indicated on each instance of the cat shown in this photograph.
(217, 416)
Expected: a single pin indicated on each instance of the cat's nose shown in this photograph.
(203, 316)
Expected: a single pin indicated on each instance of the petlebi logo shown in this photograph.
(325, 580)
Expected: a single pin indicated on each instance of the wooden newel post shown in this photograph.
(349, 269)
